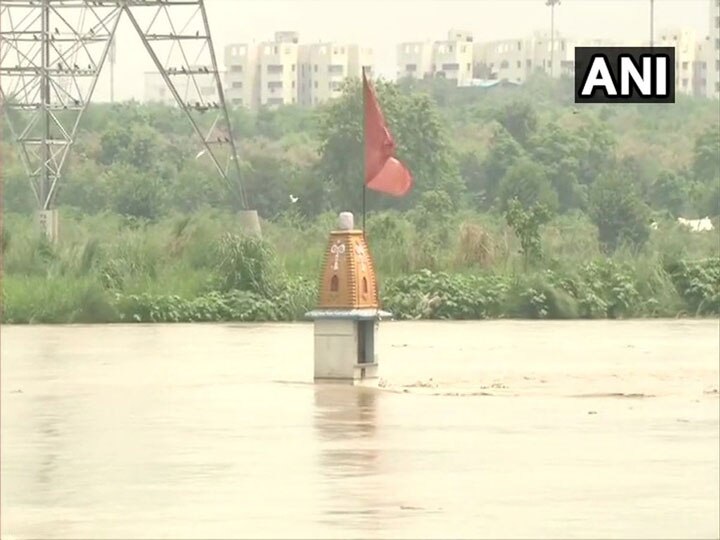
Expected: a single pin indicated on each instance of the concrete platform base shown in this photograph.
(250, 223)
(49, 223)
(345, 344)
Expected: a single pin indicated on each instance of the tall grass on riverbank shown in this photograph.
(200, 268)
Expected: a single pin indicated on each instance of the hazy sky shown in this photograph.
(381, 24)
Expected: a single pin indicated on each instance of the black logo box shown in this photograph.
(583, 59)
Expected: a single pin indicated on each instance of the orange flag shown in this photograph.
(383, 171)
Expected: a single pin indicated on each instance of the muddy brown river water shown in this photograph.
(481, 430)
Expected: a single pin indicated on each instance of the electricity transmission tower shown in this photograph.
(52, 53)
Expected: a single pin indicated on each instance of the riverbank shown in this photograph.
(106, 269)
(598, 290)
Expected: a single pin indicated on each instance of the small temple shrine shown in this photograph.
(348, 312)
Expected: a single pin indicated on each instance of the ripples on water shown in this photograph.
(492, 429)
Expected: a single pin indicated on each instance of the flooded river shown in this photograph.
(481, 430)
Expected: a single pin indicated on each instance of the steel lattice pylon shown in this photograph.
(52, 53)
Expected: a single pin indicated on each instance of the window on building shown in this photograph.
(236, 69)
(293, 84)
(717, 86)
(293, 68)
(528, 63)
(717, 22)
(717, 43)
(336, 69)
(519, 63)
(237, 84)
(685, 83)
(450, 48)
(411, 68)
(316, 85)
(273, 85)
(468, 67)
(504, 64)
(519, 45)
(275, 101)
(315, 68)
(237, 101)
(274, 69)
(463, 49)
(450, 67)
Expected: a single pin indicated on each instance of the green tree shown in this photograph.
(706, 160)
(433, 221)
(519, 118)
(85, 187)
(526, 222)
(16, 191)
(670, 191)
(503, 154)
(527, 182)
(618, 212)
(135, 194)
(556, 150)
(421, 138)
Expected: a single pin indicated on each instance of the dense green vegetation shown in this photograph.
(524, 206)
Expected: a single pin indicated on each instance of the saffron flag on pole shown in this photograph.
(383, 171)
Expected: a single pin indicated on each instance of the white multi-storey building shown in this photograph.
(278, 62)
(415, 59)
(242, 76)
(450, 59)
(453, 58)
(688, 73)
(516, 59)
(711, 50)
(285, 72)
(509, 59)
(202, 90)
(324, 67)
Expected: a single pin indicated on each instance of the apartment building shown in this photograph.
(415, 60)
(688, 68)
(203, 89)
(286, 72)
(243, 70)
(324, 67)
(711, 51)
(278, 75)
(516, 59)
(451, 58)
